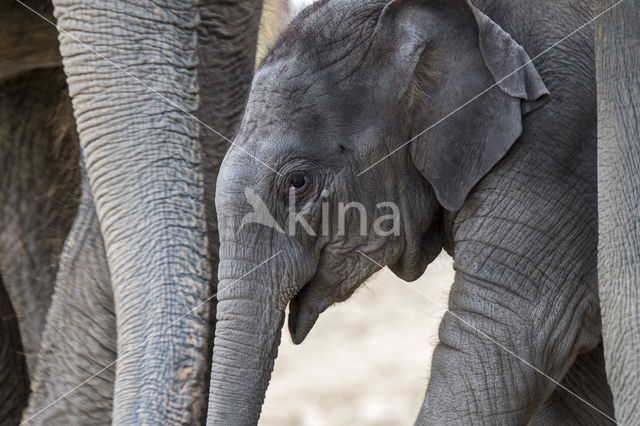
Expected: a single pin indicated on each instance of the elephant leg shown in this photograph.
(495, 355)
(524, 304)
(617, 64)
(587, 378)
(39, 183)
(80, 335)
(14, 381)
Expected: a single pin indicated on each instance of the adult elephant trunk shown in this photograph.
(131, 69)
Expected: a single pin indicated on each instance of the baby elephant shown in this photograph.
(380, 133)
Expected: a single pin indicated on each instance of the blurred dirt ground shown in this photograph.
(366, 361)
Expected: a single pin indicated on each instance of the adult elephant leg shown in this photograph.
(79, 341)
(227, 39)
(587, 378)
(14, 381)
(134, 103)
(617, 64)
(39, 181)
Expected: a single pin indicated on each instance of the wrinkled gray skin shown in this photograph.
(507, 185)
(617, 64)
(150, 191)
(39, 192)
(80, 334)
(14, 387)
(39, 186)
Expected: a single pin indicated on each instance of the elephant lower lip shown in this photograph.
(301, 319)
(293, 315)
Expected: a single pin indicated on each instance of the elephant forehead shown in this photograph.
(321, 60)
(334, 29)
(309, 106)
(295, 130)
(315, 85)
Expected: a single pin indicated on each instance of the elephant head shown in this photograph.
(321, 188)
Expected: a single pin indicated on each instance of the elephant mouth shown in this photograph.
(302, 316)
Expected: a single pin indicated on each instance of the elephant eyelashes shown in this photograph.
(297, 182)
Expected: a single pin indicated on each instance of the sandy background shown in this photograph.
(366, 361)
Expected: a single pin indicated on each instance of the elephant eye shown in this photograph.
(297, 182)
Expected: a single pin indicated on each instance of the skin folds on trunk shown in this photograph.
(241, 333)
(617, 64)
(139, 139)
(247, 329)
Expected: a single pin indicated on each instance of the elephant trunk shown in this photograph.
(131, 68)
(250, 315)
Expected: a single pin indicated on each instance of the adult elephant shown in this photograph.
(155, 87)
(617, 63)
(503, 178)
(39, 180)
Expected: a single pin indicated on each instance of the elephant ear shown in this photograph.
(509, 64)
(485, 82)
